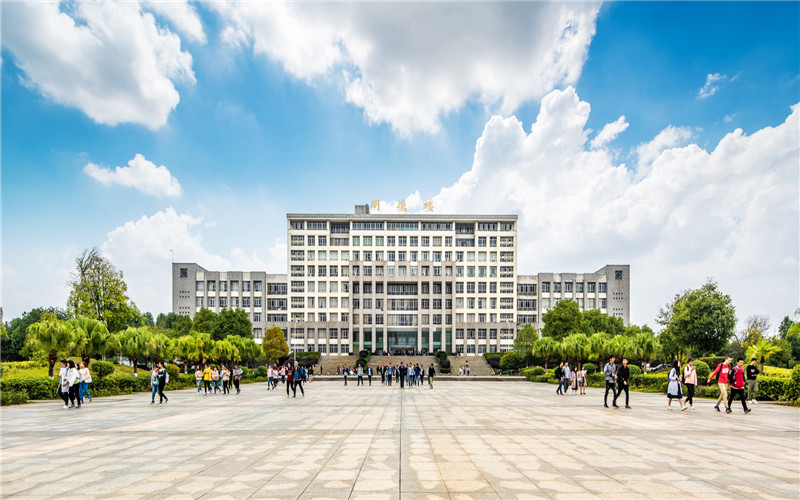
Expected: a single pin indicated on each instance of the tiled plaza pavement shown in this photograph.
(461, 440)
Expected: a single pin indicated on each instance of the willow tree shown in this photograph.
(51, 336)
(546, 348)
(89, 337)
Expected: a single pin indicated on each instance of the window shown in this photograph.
(402, 226)
(602, 288)
(246, 286)
(556, 287)
(223, 301)
(199, 302)
(579, 287)
(487, 226)
(545, 287)
(311, 241)
(602, 303)
(199, 286)
(356, 241)
(298, 255)
(297, 224)
(617, 275)
(257, 317)
(211, 302)
(506, 226)
(459, 334)
(340, 227)
(184, 272)
(212, 286)
(256, 301)
(317, 225)
(223, 286)
(590, 287)
(234, 286)
(437, 226)
(245, 301)
(568, 287)
(273, 288)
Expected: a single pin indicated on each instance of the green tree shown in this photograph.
(634, 330)
(89, 337)
(620, 346)
(546, 348)
(52, 336)
(762, 352)
(783, 328)
(702, 319)
(158, 347)
(509, 361)
(599, 347)
(645, 346)
(147, 319)
(205, 346)
(249, 350)
(186, 348)
(274, 344)
(204, 321)
(225, 351)
(575, 346)
(561, 320)
(523, 344)
(99, 291)
(133, 344)
(176, 325)
(754, 329)
(232, 322)
(595, 321)
(14, 346)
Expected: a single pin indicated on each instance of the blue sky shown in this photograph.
(256, 111)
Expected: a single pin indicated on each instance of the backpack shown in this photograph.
(166, 380)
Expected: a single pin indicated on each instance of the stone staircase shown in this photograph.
(328, 364)
(396, 360)
(478, 366)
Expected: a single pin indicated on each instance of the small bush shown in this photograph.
(772, 388)
(509, 361)
(539, 371)
(634, 370)
(246, 372)
(363, 353)
(173, 371)
(445, 363)
(703, 370)
(13, 398)
(441, 355)
(37, 388)
(590, 368)
(101, 369)
(261, 371)
(711, 361)
(792, 389)
(361, 362)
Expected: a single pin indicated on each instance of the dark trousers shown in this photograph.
(734, 393)
(345, 380)
(369, 377)
(689, 393)
(613, 388)
(73, 394)
(207, 386)
(360, 380)
(622, 387)
(161, 395)
(290, 385)
(560, 389)
(236, 384)
(299, 384)
(402, 380)
(64, 395)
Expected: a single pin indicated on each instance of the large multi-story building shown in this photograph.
(399, 282)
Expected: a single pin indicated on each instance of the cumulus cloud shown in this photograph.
(144, 250)
(667, 138)
(402, 68)
(713, 83)
(730, 213)
(182, 16)
(609, 132)
(140, 174)
(111, 60)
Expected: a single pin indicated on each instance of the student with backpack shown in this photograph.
(299, 374)
(737, 386)
(722, 373)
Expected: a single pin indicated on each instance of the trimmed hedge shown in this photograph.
(703, 370)
(634, 370)
(539, 371)
(101, 369)
(13, 398)
(590, 368)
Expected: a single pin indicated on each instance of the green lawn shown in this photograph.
(25, 369)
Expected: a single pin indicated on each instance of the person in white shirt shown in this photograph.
(73, 378)
(63, 383)
(86, 379)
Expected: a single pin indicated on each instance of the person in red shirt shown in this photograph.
(723, 371)
(737, 385)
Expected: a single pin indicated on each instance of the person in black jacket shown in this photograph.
(403, 371)
(752, 381)
(623, 376)
(559, 373)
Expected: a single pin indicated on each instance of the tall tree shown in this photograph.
(576, 346)
(14, 346)
(186, 348)
(783, 328)
(546, 348)
(158, 347)
(98, 291)
(755, 328)
(204, 320)
(524, 342)
(561, 320)
(232, 322)
(620, 346)
(595, 321)
(702, 319)
(599, 346)
(133, 342)
(52, 336)
(762, 352)
(224, 351)
(274, 344)
(645, 345)
(89, 337)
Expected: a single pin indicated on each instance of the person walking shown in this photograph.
(582, 380)
(299, 375)
(162, 383)
(623, 376)
(153, 384)
(690, 381)
(289, 380)
(63, 383)
(215, 378)
(360, 374)
(610, 373)
(389, 375)
(237, 377)
(402, 372)
(722, 372)
(74, 384)
(752, 382)
(270, 378)
(283, 374)
(575, 380)
(225, 375)
(86, 379)
(198, 378)
(674, 387)
(737, 386)
(207, 380)
(344, 374)
(566, 379)
(559, 374)
(431, 375)
(369, 375)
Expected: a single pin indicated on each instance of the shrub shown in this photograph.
(13, 398)
(772, 388)
(648, 382)
(792, 389)
(261, 371)
(590, 368)
(363, 353)
(247, 371)
(37, 388)
(101, 369)
(445, 363)
(634, 370)
(711, 361)
(539, 371)
(703, 370)
(509, 361)
(361, 362)
(173, 371)
(441, 355)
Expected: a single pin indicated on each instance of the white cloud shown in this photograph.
(728, 118)
(144, 249)
(111, 60)
(140, 174)
(667, 138)
(609, 132)
(183, 17)
(400, 64)
(713, 83)
(730, 213)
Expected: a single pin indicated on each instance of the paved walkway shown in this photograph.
(461, 440)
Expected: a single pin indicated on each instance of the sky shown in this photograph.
(661, 135)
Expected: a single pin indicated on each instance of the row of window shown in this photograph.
(591, 286)
(398, 256)
(406, 319)
(211, 286)
(583, 304)
(505, 333)
(343, 227)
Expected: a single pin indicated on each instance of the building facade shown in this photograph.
(399, 282)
